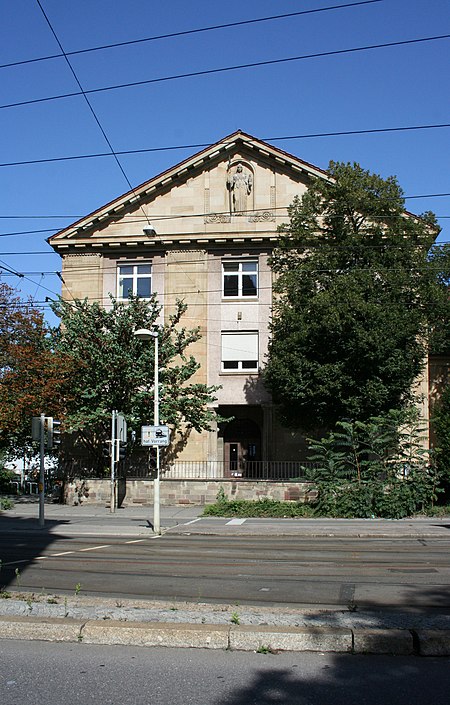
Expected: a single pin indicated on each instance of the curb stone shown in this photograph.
(248, 638)
(34, 628)
(200, 636)
(220, 636)
(383, 641)
(433, 642)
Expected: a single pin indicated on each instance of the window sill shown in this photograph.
(234, 373)
(240, 299)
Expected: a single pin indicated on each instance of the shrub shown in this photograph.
(375, 468)
(6, 476)
(258, 508)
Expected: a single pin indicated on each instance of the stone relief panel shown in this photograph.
(240, 187)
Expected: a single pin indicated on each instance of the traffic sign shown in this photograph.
(155, 435)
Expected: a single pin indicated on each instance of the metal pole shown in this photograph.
(42, 472)
(112, 504)
(156, 485)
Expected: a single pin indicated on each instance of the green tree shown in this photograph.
(358, 294)
(115, 370)
(441, 426)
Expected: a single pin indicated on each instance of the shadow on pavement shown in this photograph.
(21, 542)
(350, 680)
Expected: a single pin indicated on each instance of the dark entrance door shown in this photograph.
(242, 447)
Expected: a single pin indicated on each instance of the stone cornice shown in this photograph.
(163, 243)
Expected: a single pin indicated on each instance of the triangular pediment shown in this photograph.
(237, 185)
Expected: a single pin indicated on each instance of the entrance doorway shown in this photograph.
(242, 448)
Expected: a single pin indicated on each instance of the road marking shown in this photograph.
(15, 562)
(93, 548)
(191, 522)
(136, 541)
(235, 522)
(54, 555)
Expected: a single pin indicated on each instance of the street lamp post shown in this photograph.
(146, 334)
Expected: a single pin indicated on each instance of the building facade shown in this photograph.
(202, 232)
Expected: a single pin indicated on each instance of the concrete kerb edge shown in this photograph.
(229, 637)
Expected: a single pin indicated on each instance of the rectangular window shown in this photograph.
(134, 280)
(240, 279)
(240, 351)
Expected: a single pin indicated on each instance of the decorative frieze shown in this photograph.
(261, 217)
(217, 218)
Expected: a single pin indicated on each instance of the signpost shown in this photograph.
(44, 429)
(155, 436)
(118, 436)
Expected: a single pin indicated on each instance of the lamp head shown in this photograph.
(145, 333)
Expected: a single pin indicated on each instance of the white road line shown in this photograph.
(54, 555)
(235, 522)
(136, 541)
(93, 548)
(191, 522)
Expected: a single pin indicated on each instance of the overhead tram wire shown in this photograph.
(172, 217)
(223, 69)
(155, 219)
(83, 93)
(23, 276)
(340, 133)
(173, 35)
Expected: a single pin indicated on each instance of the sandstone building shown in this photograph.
(202, 231)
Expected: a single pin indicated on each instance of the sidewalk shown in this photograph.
(97, 520)
(93, 520)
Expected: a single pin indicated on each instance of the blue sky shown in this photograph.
(398, 86)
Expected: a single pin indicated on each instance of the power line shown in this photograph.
(26, 278)
(124, 217)
(172, 35)
(341, 133)
(91, 109)
(190, 234)
(223, 69)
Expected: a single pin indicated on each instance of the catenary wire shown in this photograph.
(223, 69)
(156, 218)
(91, 109)
(124, 217)
(340, 133)
(172, 35)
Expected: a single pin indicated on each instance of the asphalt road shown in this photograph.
(397, 573)
(43, 673)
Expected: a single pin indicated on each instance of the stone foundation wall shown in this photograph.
(197, 492)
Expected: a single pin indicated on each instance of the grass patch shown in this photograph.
(259, 508)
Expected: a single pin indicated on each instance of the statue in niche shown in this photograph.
(240, 186)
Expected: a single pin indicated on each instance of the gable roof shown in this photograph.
(226, 145)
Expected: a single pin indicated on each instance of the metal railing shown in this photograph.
(270, 470)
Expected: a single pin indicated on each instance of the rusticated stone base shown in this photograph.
(197, 492)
